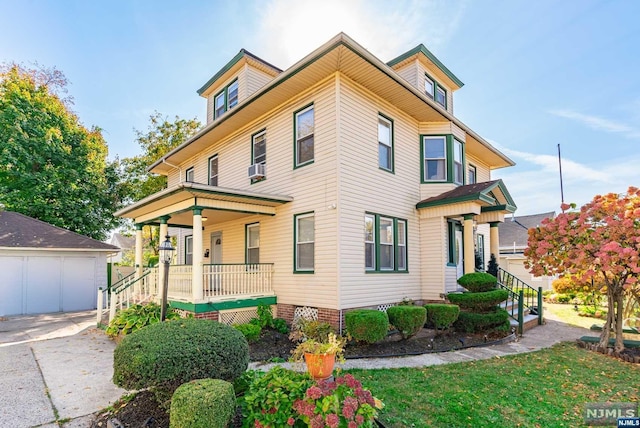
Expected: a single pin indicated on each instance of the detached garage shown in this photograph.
(44, 268)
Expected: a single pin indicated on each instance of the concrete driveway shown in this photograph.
(55, 370)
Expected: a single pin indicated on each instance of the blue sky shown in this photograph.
(536, 73)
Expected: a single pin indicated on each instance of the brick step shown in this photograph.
(530, 321)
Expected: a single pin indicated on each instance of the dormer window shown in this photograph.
(435, 91)
(441, 96)
(225, 99)
(429, 86)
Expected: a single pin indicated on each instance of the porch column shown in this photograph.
(196, 267)
(164, 230)
(494, 245)
(138, 261)
(467, 235)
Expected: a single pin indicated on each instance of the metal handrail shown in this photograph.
(521, 293)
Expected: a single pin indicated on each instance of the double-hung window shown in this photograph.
(188, 250)
(385, 243)
(259, 149)
(189, 175)
(472, 177)
(429, 86)
(435, 158)
(253, 243)
(225, 99)
(458, 165)
(385, 143)
(435, 91)
(304, 251)
(213, 170)
(304, 136)
(441, 96)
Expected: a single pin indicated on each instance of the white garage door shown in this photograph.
(40, 284)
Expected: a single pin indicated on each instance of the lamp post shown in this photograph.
(165, 251)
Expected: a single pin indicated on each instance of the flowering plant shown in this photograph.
(342, 403)
(333, 345)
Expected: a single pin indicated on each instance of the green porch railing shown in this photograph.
(523, 296)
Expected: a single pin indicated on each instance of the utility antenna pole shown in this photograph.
(560, 166)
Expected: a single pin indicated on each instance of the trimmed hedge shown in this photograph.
(441, 315)
(477, 282)
(478, 302)
(203, 403)
(167, 354)
(251, 332)
(367, 325)
(408, 320)
(470, 322)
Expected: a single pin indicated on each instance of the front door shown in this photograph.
(459, 253)
(216, 261)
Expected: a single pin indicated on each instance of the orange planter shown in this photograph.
(320, 366)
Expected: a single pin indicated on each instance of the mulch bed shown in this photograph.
(143, 411)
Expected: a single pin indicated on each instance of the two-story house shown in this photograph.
(341, 182)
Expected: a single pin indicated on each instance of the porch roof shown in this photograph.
(219, 203)
(489, 198)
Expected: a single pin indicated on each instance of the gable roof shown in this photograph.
(421, 49)
(342, 54)
(243, 53)
(484, 193)
(20, 231)
(122, 242)
(515, 231)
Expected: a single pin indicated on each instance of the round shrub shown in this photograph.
(478, 281)
(367, 325)
(167, 354)
(478, 302)
(408, 320)
(441, 315)
(251, 332)
(471, 322)
(203, 403)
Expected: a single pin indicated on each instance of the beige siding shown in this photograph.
(514, 264)
(256, 79)
(421, 80)
(409, 72)
(433, 257)
(219, 86)
(483, 172)
(435, 128)
(364, 187)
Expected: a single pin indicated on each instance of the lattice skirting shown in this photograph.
(238, 316)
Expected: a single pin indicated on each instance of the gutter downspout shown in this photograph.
(174, 166)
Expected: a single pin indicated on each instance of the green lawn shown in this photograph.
(567, 314)
(548, 388)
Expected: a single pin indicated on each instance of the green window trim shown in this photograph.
(449, 159)
(436, 87)
(209, 176)
(263, 131)
(296, 113)
(399, 265)
(225, 94)
(472, 171)
(462, 162)
(247, 245)
(384, 118)
(296, 218)
(190, 175)
(452, 255)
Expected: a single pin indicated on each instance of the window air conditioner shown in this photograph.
(258, 170)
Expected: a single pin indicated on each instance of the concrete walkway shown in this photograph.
(54, 367)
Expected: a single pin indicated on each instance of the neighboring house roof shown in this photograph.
(484, 192)
(514, 232)
(20, 231)
(122, 242)
(343, 54)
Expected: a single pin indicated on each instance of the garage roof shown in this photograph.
(20, 231)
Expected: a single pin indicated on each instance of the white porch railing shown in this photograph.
(128, 291)
(222, 280)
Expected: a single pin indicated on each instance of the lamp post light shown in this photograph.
(165, 251)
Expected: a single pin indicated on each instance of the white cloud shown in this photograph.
(292, 29)
(599, 123)
(534, 183)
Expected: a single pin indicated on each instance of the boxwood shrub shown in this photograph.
(441, 315)
(408, 320)
(478, 281)
(251, 332)
(203, 403)
(471, 322)
(167, 354)
(367, 325)
(478, 302)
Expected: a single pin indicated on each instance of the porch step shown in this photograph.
(510, 304)
(530, 321)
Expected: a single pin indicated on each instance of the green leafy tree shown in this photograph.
(51, 167)
(161, 137)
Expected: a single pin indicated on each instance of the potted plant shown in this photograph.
(320, 355)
